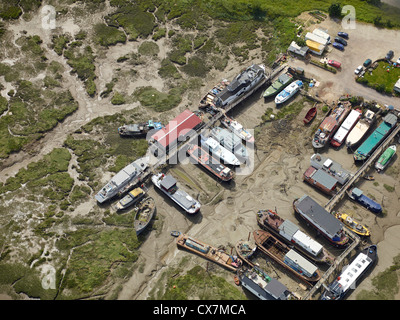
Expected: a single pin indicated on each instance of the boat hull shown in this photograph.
(144, 215)
(311, 114)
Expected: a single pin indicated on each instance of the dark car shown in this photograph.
(367, 63)
(389, 55)
(340, 40)
(338, 45)
(343, 35)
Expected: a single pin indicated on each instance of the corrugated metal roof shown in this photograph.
(288, 228)
(324, 179)
(301, 261)
(179, 126)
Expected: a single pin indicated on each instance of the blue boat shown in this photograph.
(358, 196)
(288, 92)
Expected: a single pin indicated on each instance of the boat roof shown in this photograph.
(135, 192)
(284, 78)
(184, 199)
(321, 177)
(351, 118)
(374, 138)
(316, 213)
(336, 169)
(306, 240)
(301, 261)
(391, 119)
(353, 271)
(168, 182)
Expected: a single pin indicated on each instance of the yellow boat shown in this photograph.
(352, 225)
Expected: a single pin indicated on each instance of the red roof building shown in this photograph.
(178, 127)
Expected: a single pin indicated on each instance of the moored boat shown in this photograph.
(242, 84)
(237, 129)
(385, 158)
(208, 101)
(352, 274)
(321, 220)
(288, 92)
(139, 129)
(263, 286)
(353, 225)
(231, 142)
(218, 151)
(276, 87)
(346, 127)
(130, 199)
(207, 161)
(219, 256)
(330, 124)
(375, 138)
(360, 129)
(144, 214)
(310, 115)
(292, 235)
(357, 195)
(126, 178)
(168, 185)
(286, 257)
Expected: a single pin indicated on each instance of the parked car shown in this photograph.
(398, 61)
(367, 63)
(343, 35)
(358, 70)
(334, 63)
(389, 55)
(338, 45)
(341, 40)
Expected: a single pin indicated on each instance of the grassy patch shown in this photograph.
(108, 36)
(380, 79)
(159, 101)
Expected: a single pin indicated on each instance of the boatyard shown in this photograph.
(201, 155)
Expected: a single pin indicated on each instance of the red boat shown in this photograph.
(310, 115)
(207, 161)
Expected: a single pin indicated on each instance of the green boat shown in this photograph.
(385, 158)
(278, 85)
(376, 137)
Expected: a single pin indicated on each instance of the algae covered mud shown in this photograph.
(65, 92)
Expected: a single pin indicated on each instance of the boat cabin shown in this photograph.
(169, 184)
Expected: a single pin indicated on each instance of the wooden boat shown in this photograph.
(291, 234)
(286, 257)
(144, 214)
(219, 256)
(330, 124)
(310, 115)
(353, 225)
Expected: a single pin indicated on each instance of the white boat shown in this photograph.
(385, 158)
(360, 129)
(128, 176)
(167, 184)
(288, 92)
(237, 129)
(346, 127)
(219, 151)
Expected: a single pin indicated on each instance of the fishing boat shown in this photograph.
(124, 179)
(168, 185)
(291, 234)
(346, 127)
(352, 274)
(286, 257)
(330, 124)
(139, 129)
(360, 129)
(237, 129)
(219, 256)
(357, 195)
(211, 164)
(242, 84)
(375, 138)
(231, 142)
(276, 87)
(321, 220)
(144, 214)
(263, 286)
(288, 92)
(130, 199)
(311, 114)
(353, 225)
(385, 158)
(218, 151)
